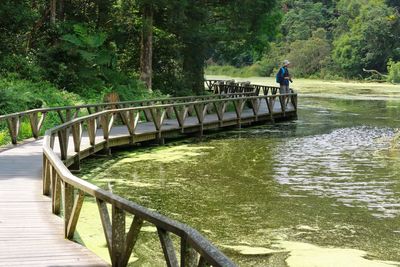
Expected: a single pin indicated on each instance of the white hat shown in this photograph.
(286, 62)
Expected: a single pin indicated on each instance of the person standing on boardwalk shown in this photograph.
(283, 77)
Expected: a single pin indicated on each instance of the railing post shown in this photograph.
(52, 140)
(55, 192)
(36, 124)
(13, 124)
(92, 129)
(98, 109)
(63, 139)
(169, 110)
(181, 115)
(73, 219)
(106, 121)
(67, 115)
(255, 106)
(118, 236)
(76, 136)
(220, 109)
(75, 167)
(147, 113)
(168, 248)
(46, 175)
(131, 239)
(158, 116)
(270, 106)
(201, 110)
(189, 256)
(68, 203)
(106, 223)
(239, 105)
(294, 101)
(132, 119)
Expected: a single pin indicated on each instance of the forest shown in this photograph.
(88, 48)
(58, 52)
(344, 39)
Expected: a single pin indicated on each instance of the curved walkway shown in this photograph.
(30, 235)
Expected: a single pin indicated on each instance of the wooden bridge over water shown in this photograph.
(37, 185)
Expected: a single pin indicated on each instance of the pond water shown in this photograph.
(320, 191)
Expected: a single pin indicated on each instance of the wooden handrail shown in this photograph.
(67, 113)
(122, 103)
(194, 247)
(142, 108)
(230, 86)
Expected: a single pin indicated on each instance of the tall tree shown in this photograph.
(194, 39)
(238, 36)
(53, 12)
(146, 45)
(371, 40)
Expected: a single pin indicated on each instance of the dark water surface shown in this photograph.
(331, 178)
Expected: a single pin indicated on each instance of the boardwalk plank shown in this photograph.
(30, 235)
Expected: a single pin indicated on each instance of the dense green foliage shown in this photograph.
(394, 72)
(333, 39)
(18, 95)
(90, 47)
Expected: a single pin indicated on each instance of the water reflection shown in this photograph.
(349, 165)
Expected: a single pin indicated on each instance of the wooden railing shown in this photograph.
(234, 88)
(37, 117)
(211, 83)
(223, 87)
(60, 183)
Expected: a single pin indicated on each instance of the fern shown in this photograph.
(89, 45)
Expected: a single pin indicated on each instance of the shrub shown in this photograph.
(393, 71)
(18, 95)
(311, 55)
(21, 66)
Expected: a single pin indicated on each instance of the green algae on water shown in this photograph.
(167, 154)
(308, 255)
(327, 182)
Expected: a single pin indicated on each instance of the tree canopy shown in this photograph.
(90, 46)
(332, 39)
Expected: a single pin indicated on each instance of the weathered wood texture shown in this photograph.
(30, 235)
(36, 117)
(226, 87)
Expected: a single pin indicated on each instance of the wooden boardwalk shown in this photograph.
(31, 235)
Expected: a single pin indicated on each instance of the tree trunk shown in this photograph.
(146, 52)
(375, 72)
(53, 12)
(195, 44)
(61, 10)
(193, 65)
